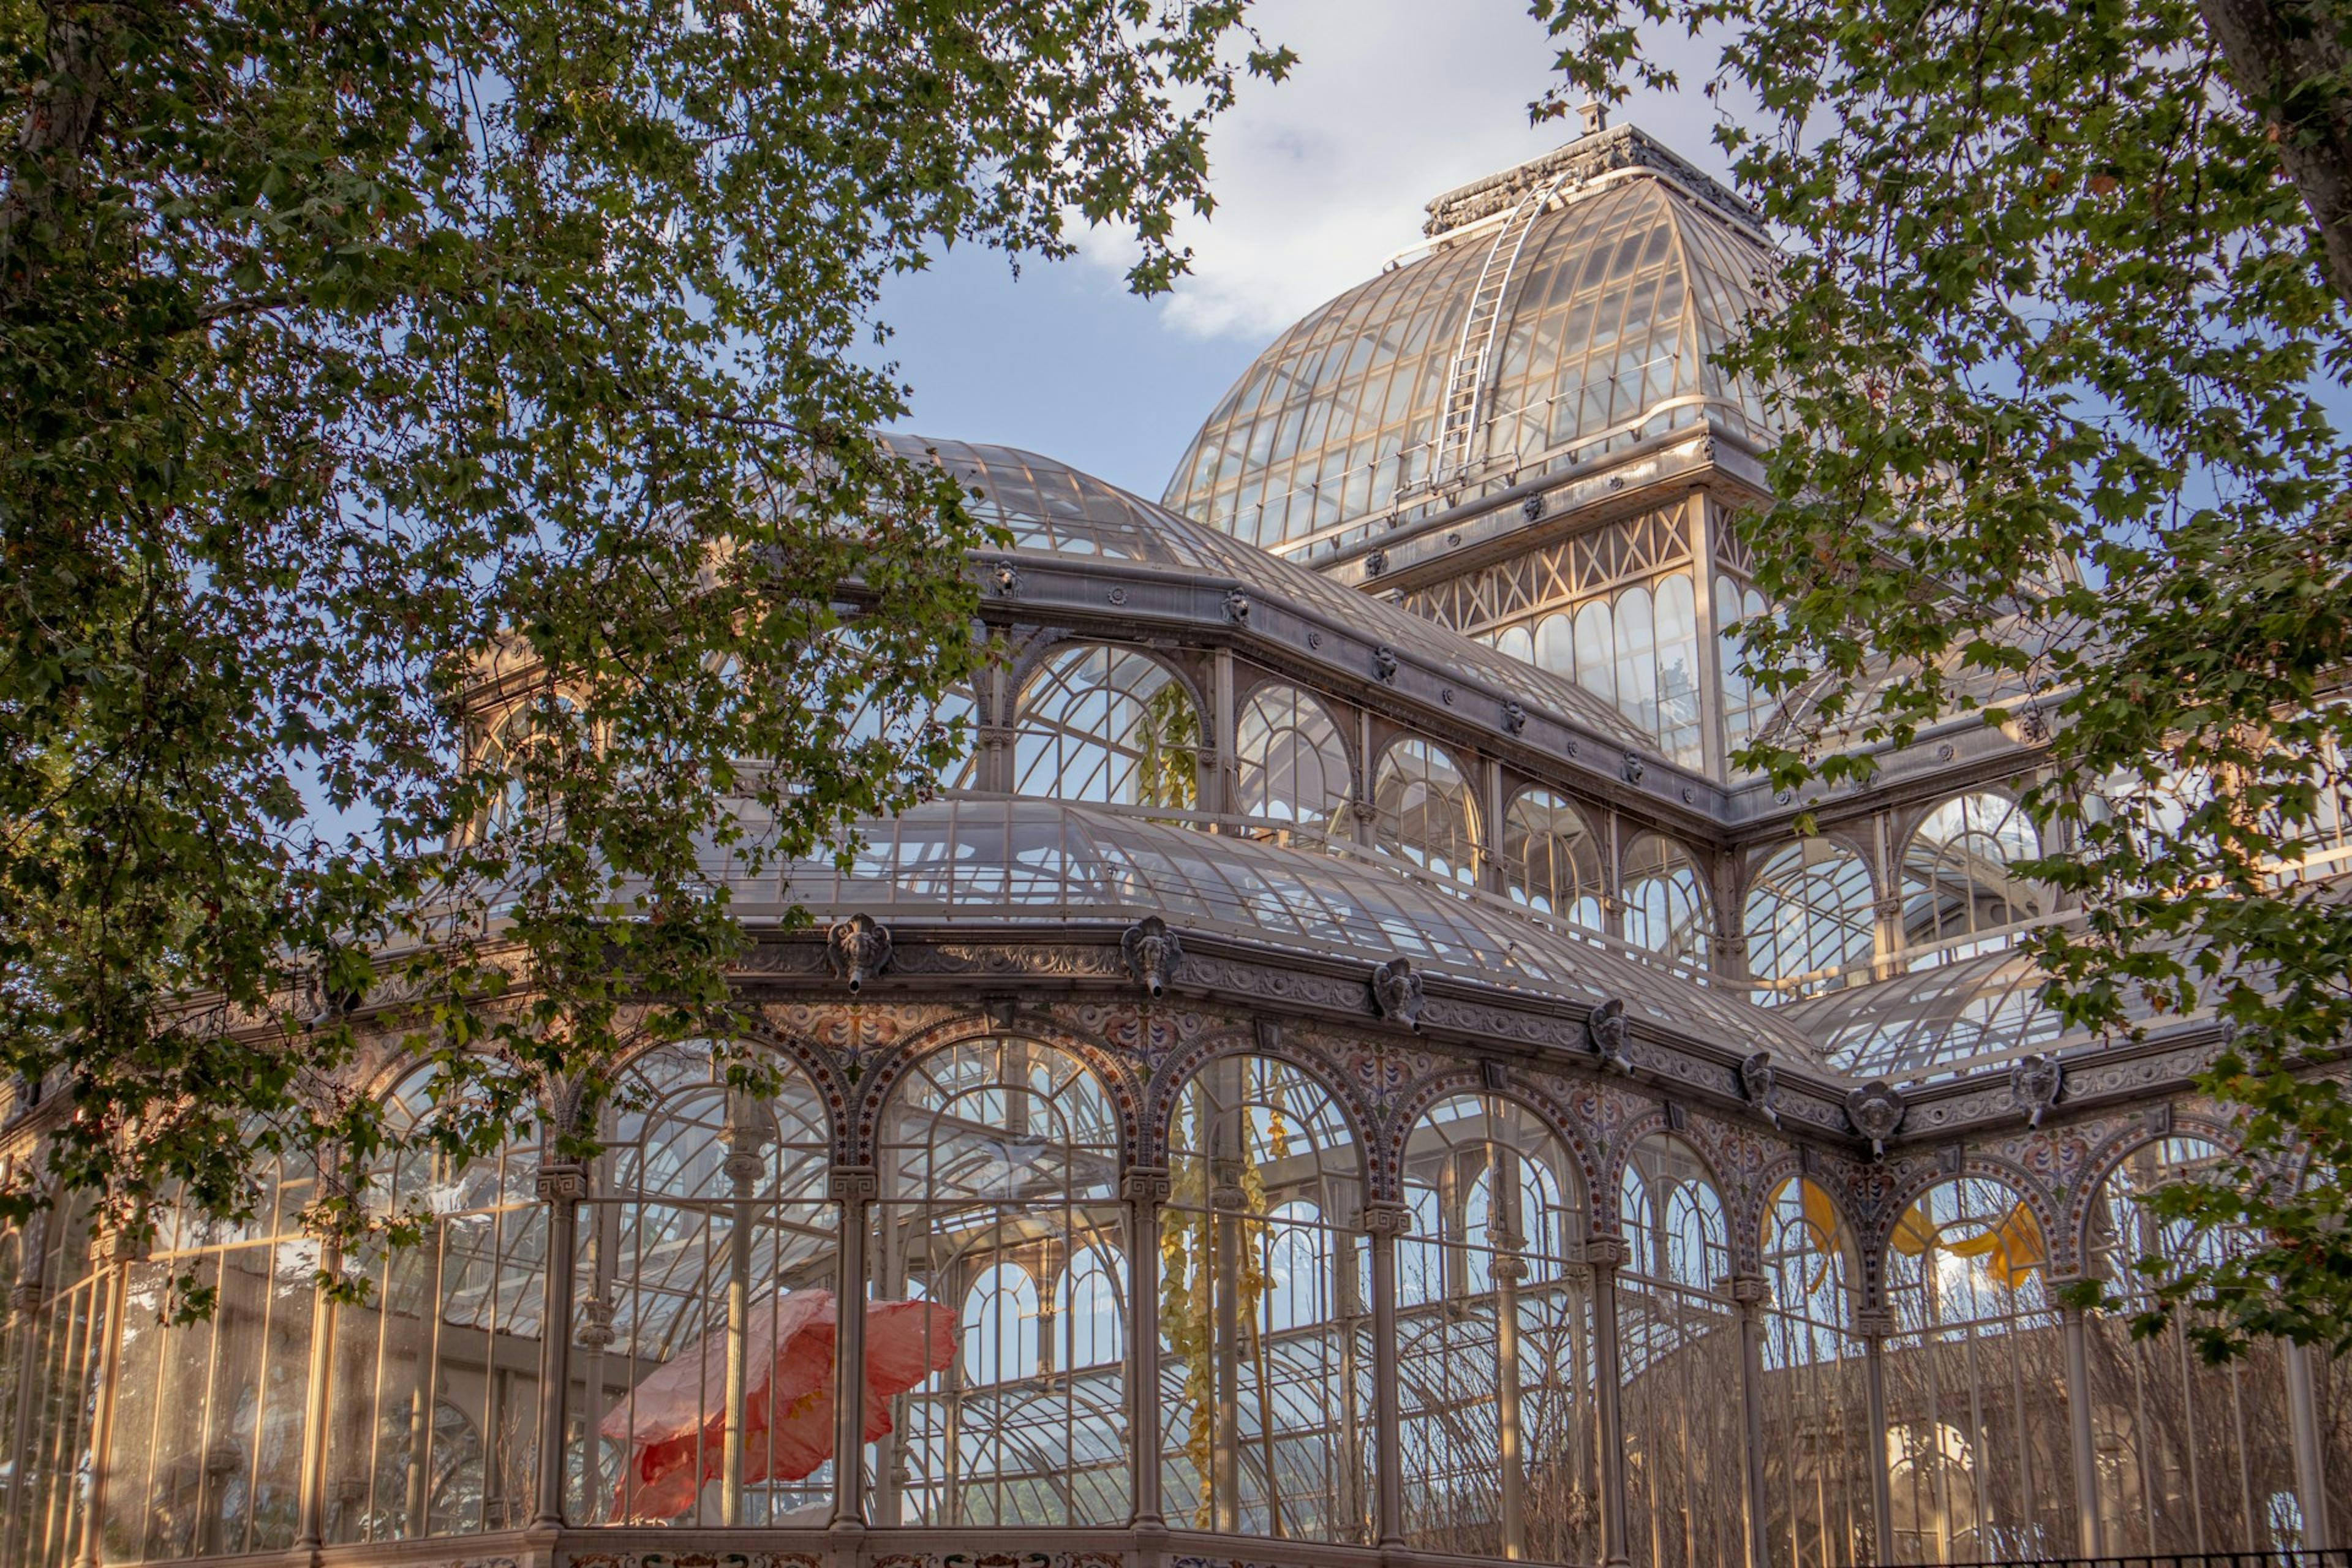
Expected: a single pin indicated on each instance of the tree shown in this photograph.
(455, 413)
(2058, 345)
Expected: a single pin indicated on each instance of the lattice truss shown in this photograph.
(1593, 562)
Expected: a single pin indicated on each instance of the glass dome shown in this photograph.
(1573, 321)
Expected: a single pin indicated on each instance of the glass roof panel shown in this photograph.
(1939, 1020)
(979, 860)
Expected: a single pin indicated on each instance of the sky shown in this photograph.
(1317, 179)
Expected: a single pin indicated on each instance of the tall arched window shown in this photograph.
(697, 1256)
(1001, 1327)
(1264, 1309)
(1637, 658)
(999, 1170)
(1678, 679)
(1678, 1337)
(2190, 1454)
(1596, 649)
(1107, 724)
(1493, 1357)
(1956, 881)
(1808, 922)
(1092, 1314)
(1977, 1449)
(1424, 812)
(1551, 860)
(1746, 705)
(1665, 905)
(1817, 1451)
(210, 1417)
(1291, 764)
(435, 1431)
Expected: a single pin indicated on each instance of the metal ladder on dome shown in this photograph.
(1466, 378)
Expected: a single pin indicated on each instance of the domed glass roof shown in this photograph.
(1563, 320)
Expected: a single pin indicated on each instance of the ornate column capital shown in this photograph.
(852, 1184)
(121, 1244)
(595, 1322)
(1873, 1322)
(1389, 1220)
(1508, 1269)
(1605, 1249)
(1145, 1185)
(562, 1181)
(1745, 1289)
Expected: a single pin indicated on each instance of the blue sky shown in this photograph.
(1317, 179)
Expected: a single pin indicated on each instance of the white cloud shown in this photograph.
(1321, 178)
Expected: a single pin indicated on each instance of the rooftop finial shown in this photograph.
(1595, 115)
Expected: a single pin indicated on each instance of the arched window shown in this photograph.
(1817, 1493)
(1493, 1361)
(2190, 1453)
(1555, 644)
(1092, 1315)
(690, 1257)
(1746, 706)
(1107, 724)
(1808, 922)
(1425, 813)
(523, 757)
(1956, 881)
(1264, 1309)
(1678, 679)
(1637, 658)
(1000, 1327)
(1665, 907)
(1519, 644)
(426, 1441)
(998, 1165)
(210, 1417)
(1288, 752)
(1678, 1334)
(1977, 1448)
(1551, 860)
(1596, 649)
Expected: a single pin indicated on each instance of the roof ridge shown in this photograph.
(1581, 162)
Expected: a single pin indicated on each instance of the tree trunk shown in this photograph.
(2287, 59)
(58, 125)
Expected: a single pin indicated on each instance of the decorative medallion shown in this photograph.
(858, 949)
(1875, 1110)
(1761, 1084)
(1152, 953)
(1119, 595)
(1396, 992)
(2036, 1081)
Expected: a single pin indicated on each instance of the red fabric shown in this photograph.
(677, 1415)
